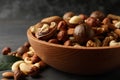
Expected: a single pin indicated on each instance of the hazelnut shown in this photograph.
(19, 75)
(106, 20)
(62, 25)
(21, 50)
(27, 44)
(98, 14)
(42, 64)
(62, 35)
(70, 31)
(68, 43)
(92, 22)
(35, 58)
(83, 16)
(68, 15)
(6, 50)
(83, 33)
(53, 41)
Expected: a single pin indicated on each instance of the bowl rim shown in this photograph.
(30, 35)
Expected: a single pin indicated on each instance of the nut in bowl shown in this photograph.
(85, 50)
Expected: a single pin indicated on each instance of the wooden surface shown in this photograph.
(13, 34)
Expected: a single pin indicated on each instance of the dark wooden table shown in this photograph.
(13, 34)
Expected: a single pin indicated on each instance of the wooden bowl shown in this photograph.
(82, 60)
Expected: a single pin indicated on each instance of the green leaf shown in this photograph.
(7, 61)
(5, 66)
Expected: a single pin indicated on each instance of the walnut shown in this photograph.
(93, 43)
(107, 40)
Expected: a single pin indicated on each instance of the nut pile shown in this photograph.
(95, 30)
(29, 65)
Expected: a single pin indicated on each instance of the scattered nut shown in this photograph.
(15, 66)
(6, 50)
(25, 67)
(8, 74)
(19, 75)
(21, 50)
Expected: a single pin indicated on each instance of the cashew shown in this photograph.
(37, 64)
(75, 20)
(15, 66)
(28, 60)
(117, 25)
(114, 43)
(25, 67)
(31, 49)
(30, 53)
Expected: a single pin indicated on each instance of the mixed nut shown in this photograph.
(95, 30)
(29, 64)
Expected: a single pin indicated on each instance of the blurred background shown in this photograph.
(16, 16)
(37, 9)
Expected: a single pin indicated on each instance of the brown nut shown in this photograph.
(6, 50)
(42, 65)
(68, 43)
(34, 72)
(21, 50)
(19, 75)
(92, 22)
(4, 79)
(68, 15)
(62, 35)
(62, 25)
(117, 31)
(83, 33)
(107, 40)
(27, 44)
(8, 74)
(114, 17)
(35, 58)
(53, 41)
(52, 19)
(98, 14)
(83, 16)
(106, 20)
(70, 31)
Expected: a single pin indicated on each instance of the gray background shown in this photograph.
(37, 9)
